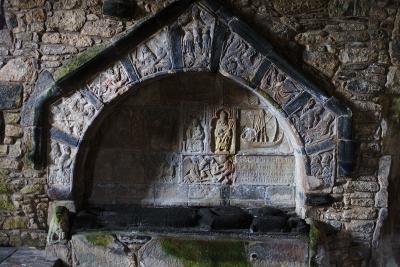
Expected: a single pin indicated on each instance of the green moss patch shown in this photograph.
(199, 253)
(32, 188)
(99, 239)
(314, 238)
(77, 61)
(3, 186)
(15, 223)
(5, 203)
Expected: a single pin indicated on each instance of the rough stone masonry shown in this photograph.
(351, 50)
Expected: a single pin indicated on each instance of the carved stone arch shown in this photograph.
(193, 36)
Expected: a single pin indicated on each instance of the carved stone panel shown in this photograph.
(162, 168)
(162, 127)
(281, 88)
(240, 59)
(222, 122)
(197, 32)
(195, 134)
(73, 114)
(314, 122)
(153, 56)
(208, 169)
(322, 167)
(264, 170)
(61, 164)
(110, 83)
(259, 129)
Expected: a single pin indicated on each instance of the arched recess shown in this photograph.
(193, 36)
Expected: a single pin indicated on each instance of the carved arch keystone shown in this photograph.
(190, 36)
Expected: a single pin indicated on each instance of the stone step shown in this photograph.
(26, 257)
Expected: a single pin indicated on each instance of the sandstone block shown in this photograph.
(70, 20)
(17, 70)
(104, 28)
(360, 213)
(13, 131)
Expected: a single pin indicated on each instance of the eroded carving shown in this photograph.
(278, 86)
(223, 131)
(197, 34)
(73, 114)
(153, 56)
(110, 83)
(59, 226)
(322, 167)
(208, 169)
(259, 129)
(61, 161)
(314, 122)
(163, 168)
(163, 126)
(240, 58)
(264, 170)
(194, 130)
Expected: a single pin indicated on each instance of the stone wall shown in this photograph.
(351, 49)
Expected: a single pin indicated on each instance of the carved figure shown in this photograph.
(322, 166)
(165, 166)
(223, 169)
(194, 137)
(109, 83)
(61, 157)
(208, 169)
(223, 132)
(59, 226)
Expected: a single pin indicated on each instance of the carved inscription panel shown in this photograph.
(194, 152)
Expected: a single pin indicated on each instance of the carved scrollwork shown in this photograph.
(240, 59)
(208, 169)
(153, 56)
(110, 83)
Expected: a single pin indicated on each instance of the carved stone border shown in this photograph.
(255, 65)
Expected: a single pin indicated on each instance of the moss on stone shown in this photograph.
(4, 186)
(15, 223)
(99, 238)
(5, 203)
(31, 189)
(77, 61)
(395, 109)
(314, 238)
(199, 253)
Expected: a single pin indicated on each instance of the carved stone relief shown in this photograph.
(240, 59)
(110, 83)
(259, 129)
(196, 37)
(322, 167)
(153, 56)
(314, 122)
(208, 169)
(281, 88)
(162, 168)
(61, 159)
(194, 135)
(223, 130)
(73, 115)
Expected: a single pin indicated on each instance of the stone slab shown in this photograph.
(6, 252)
(10, 96)
(31, 257)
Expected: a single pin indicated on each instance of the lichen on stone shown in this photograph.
(77, 61)
(5, 203)
(3, 186)
(100, 238)
(206, 253)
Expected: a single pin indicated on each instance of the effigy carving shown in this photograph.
(259, 129)
(322, 167)
(110, 83)
(153, 56)
(314, 122)
(194, 139)
(197, 31)
(73, 114)
(223, 130)
(61, 161)
(208, 169)
(240, 59)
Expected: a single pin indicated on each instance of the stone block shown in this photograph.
(344, 128)
(68, 20)
(205, 195)
(25, 256)
(104, 28)
(3, 150)
(281, 196)
(360, 213)
(6, 37)
(248, 192)
(346, 151)
(13, 131)
(360, 226)
(394, 50)
(363, 87)
(171, 194)
(118, 8)
(393, 79)
(362, 186)
(57, 49)
(363, 202)
(17, 70)
(10, 96)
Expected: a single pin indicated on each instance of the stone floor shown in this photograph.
(26, 257)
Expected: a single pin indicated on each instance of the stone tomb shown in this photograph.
(191, 140)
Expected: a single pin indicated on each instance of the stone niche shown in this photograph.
(190, 139)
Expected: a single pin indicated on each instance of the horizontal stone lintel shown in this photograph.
(321, 146)
(10, 96)
(63, 137)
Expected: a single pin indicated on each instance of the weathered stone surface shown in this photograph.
(393, 80)
(10, 96)
(66, 4)
(361, 226)
(363, 87)
(381, 197)
(360, 213)
(60, 251)
(68, 20)
(15, 223)
(323, 61)
(383, 213)
(99, 249)
(13, 131)
(57, 49)
(394, 50)
(6, 37)
(6, 252)
(17, 70)
(118, 8)
(103, 28)
(30, 257)
(354, 55)
(363, 186)
(27, 4)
